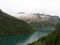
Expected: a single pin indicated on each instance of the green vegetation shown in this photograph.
(51, 39)
(54, 38)
(11, 26)
(37, 43)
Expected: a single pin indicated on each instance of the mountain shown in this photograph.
(11, 26)
(47, 20)
(28, 18)
(31, 19)
(51, 39)
(36, 20)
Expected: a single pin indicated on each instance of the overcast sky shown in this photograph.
(43, 6)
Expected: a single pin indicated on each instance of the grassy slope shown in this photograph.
(11, 26)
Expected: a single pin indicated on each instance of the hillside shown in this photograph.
(37, 20)
(52, 39)
(11, 26)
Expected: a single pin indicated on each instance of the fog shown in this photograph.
(51, 7)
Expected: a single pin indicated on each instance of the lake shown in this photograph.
(25, 39)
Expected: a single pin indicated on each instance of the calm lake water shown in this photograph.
(25, 39)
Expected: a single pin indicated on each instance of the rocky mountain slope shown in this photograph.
(37, 20)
